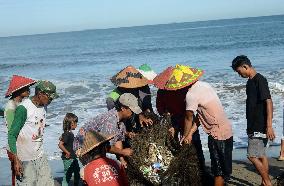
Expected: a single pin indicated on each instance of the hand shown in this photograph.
(172, 131)
(127, 152)
(270, 133)
(67, 155)
(18, 166)
(131, 134)
(186, 139)
(123, 162)
(144, 121)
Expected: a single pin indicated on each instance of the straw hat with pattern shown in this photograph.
(161, 80)
(178, 77)
(92, 139)
(17, 83)
(129, 77)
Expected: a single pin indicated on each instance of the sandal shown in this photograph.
(281, 158)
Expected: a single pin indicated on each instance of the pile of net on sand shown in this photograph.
(280, 180)
(158, 159)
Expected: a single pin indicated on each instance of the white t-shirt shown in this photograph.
(203, 99)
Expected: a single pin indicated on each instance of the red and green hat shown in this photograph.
(178, 77)
(17, 83)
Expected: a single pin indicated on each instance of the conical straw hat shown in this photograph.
(147, 72)
(178, 77)
(161, 80)
(183, 76)
(17, 83)
(129, 77)
(92, 139)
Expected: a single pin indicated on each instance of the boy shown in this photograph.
(259, 111)
(69, 158)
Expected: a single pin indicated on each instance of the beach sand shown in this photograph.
(244, 174)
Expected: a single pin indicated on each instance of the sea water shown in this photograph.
(82, 63)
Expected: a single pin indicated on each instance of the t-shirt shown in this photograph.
(67, 138)
(104, 172)
(25, 136)
(203, 99)
(174, 103)
(257, 91)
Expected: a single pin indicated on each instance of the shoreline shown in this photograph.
(243, 171)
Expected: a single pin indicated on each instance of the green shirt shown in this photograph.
(18, 123)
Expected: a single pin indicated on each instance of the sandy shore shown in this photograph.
(243, 171)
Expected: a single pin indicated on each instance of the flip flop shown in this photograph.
(281, 158)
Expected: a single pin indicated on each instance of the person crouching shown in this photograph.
(99, 170)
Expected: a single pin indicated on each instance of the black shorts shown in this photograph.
(221, 156)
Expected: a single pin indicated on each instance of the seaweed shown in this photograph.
(154, 147)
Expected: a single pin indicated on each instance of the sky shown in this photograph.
(26, 17)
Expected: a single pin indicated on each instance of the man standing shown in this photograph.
(202, 99)
(259, 111)
(25, 137)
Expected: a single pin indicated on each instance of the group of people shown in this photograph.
(181, 95)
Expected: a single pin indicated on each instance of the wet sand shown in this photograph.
(243, 171)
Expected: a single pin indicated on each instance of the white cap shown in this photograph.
(130, 101)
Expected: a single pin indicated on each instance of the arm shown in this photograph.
(61, 146)
(190, 120)
(17, 125)
(269, 110)
(117, 149)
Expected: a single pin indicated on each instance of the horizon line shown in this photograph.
(93, 29)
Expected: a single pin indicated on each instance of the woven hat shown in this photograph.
(178, 77)
(129, 77)
(17, 83)
(147, 72)
(161, 80)
(92, 139)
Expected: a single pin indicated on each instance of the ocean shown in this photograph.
(81, 64)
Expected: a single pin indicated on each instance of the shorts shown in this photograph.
(221, 156)
(36, 172)
(256, 147)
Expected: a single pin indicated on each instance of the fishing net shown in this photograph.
(280, 180)
(158, 159)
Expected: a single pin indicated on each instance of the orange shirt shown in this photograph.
(104, 172)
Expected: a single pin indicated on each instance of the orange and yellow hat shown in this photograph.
(180, 76)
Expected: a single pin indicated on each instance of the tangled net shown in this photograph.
(280, 180)
(158, 159)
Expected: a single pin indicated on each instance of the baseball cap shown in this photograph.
(48, 88)
(130, 101)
